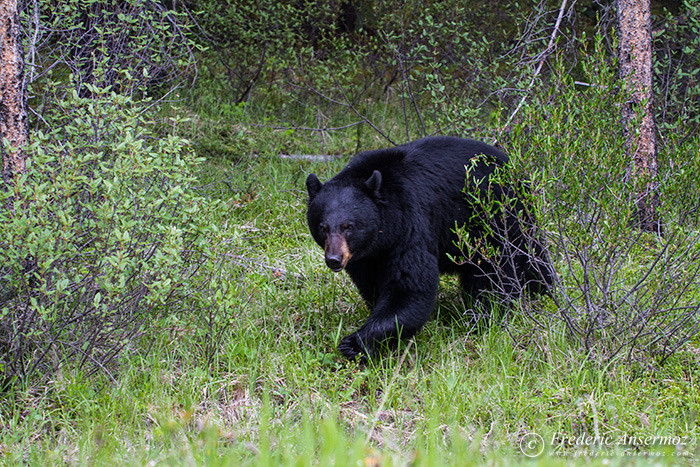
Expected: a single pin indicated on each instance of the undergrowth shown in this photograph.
(247, 373)
(232, 320)
(243, 369)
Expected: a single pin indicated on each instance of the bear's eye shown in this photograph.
(348, 227)
(323, 228)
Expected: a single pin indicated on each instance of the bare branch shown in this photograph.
(543, 55)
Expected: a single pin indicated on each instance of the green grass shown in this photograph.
(251, 375)
(245, 371)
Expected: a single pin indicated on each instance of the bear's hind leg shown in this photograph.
(477, 290)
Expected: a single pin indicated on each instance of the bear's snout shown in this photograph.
(334, 262)
(337, 252)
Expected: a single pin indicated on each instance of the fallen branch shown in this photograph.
(311, 157)
(277, 273)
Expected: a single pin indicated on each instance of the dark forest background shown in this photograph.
(161, 299)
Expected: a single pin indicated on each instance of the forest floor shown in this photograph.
(254, 379)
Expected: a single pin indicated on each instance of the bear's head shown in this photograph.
(344, 217)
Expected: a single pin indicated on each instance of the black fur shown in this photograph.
(395, 210)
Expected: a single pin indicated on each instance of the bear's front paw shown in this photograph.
(351, 347)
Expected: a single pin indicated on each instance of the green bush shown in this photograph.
(677, 70)
(619, 292)
(100, 234)
(136, 47)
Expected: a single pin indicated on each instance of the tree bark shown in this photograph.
(636, 53)
(13, 93)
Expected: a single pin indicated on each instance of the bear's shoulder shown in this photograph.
(367, 162)
(431, 149)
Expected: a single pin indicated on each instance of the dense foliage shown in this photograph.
(158, 308)
(102, 232)
(133, 47)
(414, 68)
(620, 293)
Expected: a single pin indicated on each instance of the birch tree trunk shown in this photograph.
(13, 115)
(636, 51)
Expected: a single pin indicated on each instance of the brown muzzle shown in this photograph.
(337, 252)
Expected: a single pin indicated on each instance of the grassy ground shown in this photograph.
(246, 372)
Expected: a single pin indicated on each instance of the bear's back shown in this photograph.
(423, 182)
(439, 159)
(448, 152)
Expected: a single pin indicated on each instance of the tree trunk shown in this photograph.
(13, 116)
(634, 18)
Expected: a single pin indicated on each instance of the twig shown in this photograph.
(35, 38)
(351, 106)
(544, 56)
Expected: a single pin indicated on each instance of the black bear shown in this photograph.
(389, 217)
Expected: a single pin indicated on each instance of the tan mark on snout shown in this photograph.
(345, 250)
(337, 243)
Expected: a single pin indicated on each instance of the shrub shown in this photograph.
(677, 70)
(619, 292)
(102, 234)
(136, 47)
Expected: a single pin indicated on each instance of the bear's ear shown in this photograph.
(313, 185)
(373, 184)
